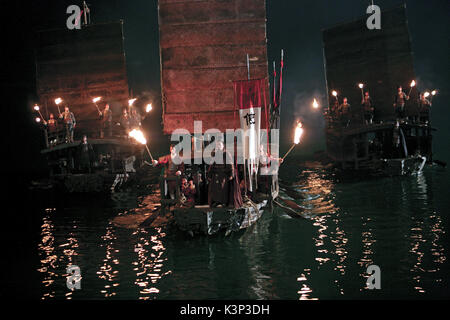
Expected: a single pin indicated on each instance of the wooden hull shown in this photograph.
(210, 221)
(89, 183)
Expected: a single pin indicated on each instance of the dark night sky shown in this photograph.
(292, 25)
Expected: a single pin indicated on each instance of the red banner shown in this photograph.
(249, 94)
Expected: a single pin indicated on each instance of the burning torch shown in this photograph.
(58, 101)
(315, 104)
(139, 137)
(38, 109)
(148, 108)
(131, 101)
(361, 86)
(297, 137)
(412, 85)
(433, 93)
(95, 100)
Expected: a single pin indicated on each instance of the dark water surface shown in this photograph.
(400, 224)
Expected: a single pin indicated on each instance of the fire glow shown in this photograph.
(149, 108)
(95, 100)
(131, 101)
(298, 133)
(58, 101)
(138, 136)
(315, 104)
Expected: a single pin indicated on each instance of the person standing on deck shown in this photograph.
(220, 176)
(52, 130)
(368, 106)
(125, 122)
(70, 123)
(424, 109)
(268, 166)
(86, 155)
(344, 111)
(106, 122)
(400, 102)
(171, 170)
(135, 118)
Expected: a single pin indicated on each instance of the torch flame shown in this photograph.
(298, 133)
(38, 119)
(361, 85)
(149, 108)
(426, 94)
(58, 101)
(138, 136)
(334, 93)
(413, 83)
(315, 104)
(95, 100)
(36, 107)
(131, 101)
(433, 92)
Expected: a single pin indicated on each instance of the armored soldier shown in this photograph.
(125, 121)
(135, 118)
(424, 109)
(400, 102)
(368, 106)
(344, 112)
(52, 130)
(69, 122)
(106, 122)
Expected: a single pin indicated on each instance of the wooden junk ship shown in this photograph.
(381, 60)
(205, 49)
(77, 66)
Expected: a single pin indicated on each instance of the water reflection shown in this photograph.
(109, 271)
(54, 257)
(150, 256)
(397, 224)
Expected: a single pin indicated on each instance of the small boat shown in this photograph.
(75, 67)
(203, 50)
(377, 61)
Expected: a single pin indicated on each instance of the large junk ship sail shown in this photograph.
(380, 60)
(75, 67)
(209, 49)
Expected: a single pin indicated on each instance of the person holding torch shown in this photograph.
(70, 123)
(106, 122)
(400, 102)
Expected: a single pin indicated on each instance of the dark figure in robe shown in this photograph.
(86, 155)
(220, 178)
(173, 168)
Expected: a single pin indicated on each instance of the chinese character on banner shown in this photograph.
(249, 100)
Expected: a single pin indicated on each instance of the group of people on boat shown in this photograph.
(341, 113)
(61, 129)
(219, 186)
